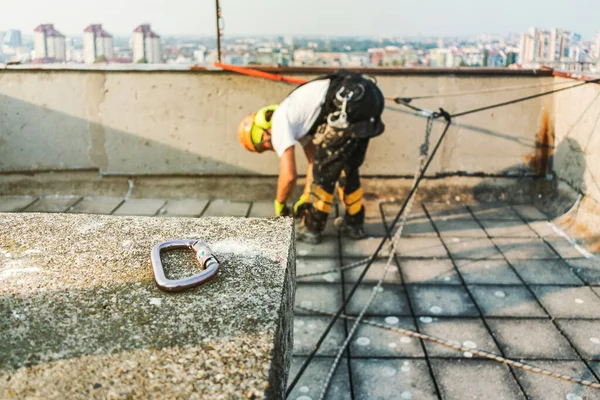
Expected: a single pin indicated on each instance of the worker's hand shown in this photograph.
(281, 210)
(301, 204)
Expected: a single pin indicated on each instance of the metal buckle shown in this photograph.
(204, 256)
(339, 119)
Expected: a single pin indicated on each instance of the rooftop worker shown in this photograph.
(332, 117)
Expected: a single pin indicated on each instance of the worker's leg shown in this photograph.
(351, 194)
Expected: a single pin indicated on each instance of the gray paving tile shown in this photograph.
(468, 332)
(487, 272)
(392, 379)
(374, 227)
(530, 213)
(417, 226)
(544, 387)
(586, 269)
(503, 228)
(328, 247)
(390, 300)
(421, 247)
(584, 334)
(262, 209)
(51, 204)
(460, 227)
(568, 302)
(494, 211)
(563, 247)
(226, 208)
(307, 265)
(531, 338)
(96, 205)
(310, 384)
(146, 207)
(543, 228)
(449, 210)
(361, 248)
(15, 203)
(472, 248)
(371, 341)
(326, 297)
(308, 329)
(506, 301)
(391, 209)
(546, 272)
(183, 208)
(475, 379)
(441, 301)
(524, 248)
(436, 271)
(374, 273)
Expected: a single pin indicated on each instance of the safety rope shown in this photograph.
(453, 345)
(424, 150)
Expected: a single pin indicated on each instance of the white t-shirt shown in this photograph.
(296, 114)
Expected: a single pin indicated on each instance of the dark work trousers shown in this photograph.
(338, 156)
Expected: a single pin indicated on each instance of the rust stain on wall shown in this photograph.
(544, 146)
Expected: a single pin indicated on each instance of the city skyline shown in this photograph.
(334, 18)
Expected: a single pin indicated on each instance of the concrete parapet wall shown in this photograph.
(176, 122)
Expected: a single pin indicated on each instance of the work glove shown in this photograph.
(281, 209)
(302, 204)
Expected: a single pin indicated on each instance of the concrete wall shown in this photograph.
(184, 122)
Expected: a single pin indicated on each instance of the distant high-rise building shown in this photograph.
(97, 44)
(49, 44)
(146, 46)
(547, 47)
(12, 38)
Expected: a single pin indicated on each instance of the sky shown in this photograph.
(382, 18)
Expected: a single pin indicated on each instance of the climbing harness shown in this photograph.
(203, 254)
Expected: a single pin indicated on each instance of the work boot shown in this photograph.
(303, 234)
(355, 232)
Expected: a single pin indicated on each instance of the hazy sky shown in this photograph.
(323, 17)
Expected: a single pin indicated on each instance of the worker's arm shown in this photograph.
(309, 150)
(287, 175)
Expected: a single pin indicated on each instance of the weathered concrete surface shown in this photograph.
(81, 316)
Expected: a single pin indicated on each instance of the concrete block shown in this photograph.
(392, 379)
(183, 208)
(52, 204)
(494, 211)
(587, 269)
(524, 248)
(105, 325)
(472, 248)
(462, 379)
(487, 272)
(437, 271)
(307, 265)
(563, 247)
(362, 248)
(308, 329)
(543, 228)
(468, 332)
(15, 203)
(531, 338)
(568, 302)
(546, 272)
(372, 341)
(459, 227)
(548, 388)
(584, 334)
(225, 208)
(311, 383)
(374, 273)
(329, 247)
(530, 213)
(390, 300)
(506, 301)
(511, 228)
(441, 301)
(421, 247)
(96, 205)
(326, 297)
(139, 207)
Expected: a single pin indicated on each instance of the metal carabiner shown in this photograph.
(204, 256)
(339, 119)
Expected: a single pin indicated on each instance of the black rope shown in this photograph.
(506, 103)
(441, 114)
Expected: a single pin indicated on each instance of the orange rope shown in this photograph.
(260, 74)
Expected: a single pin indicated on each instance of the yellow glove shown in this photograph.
(281, 209)
(304, 200)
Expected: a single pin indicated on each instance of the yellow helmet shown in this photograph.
(252, 127)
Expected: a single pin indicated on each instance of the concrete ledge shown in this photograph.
(81, 316)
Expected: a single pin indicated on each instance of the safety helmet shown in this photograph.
(253, 126)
